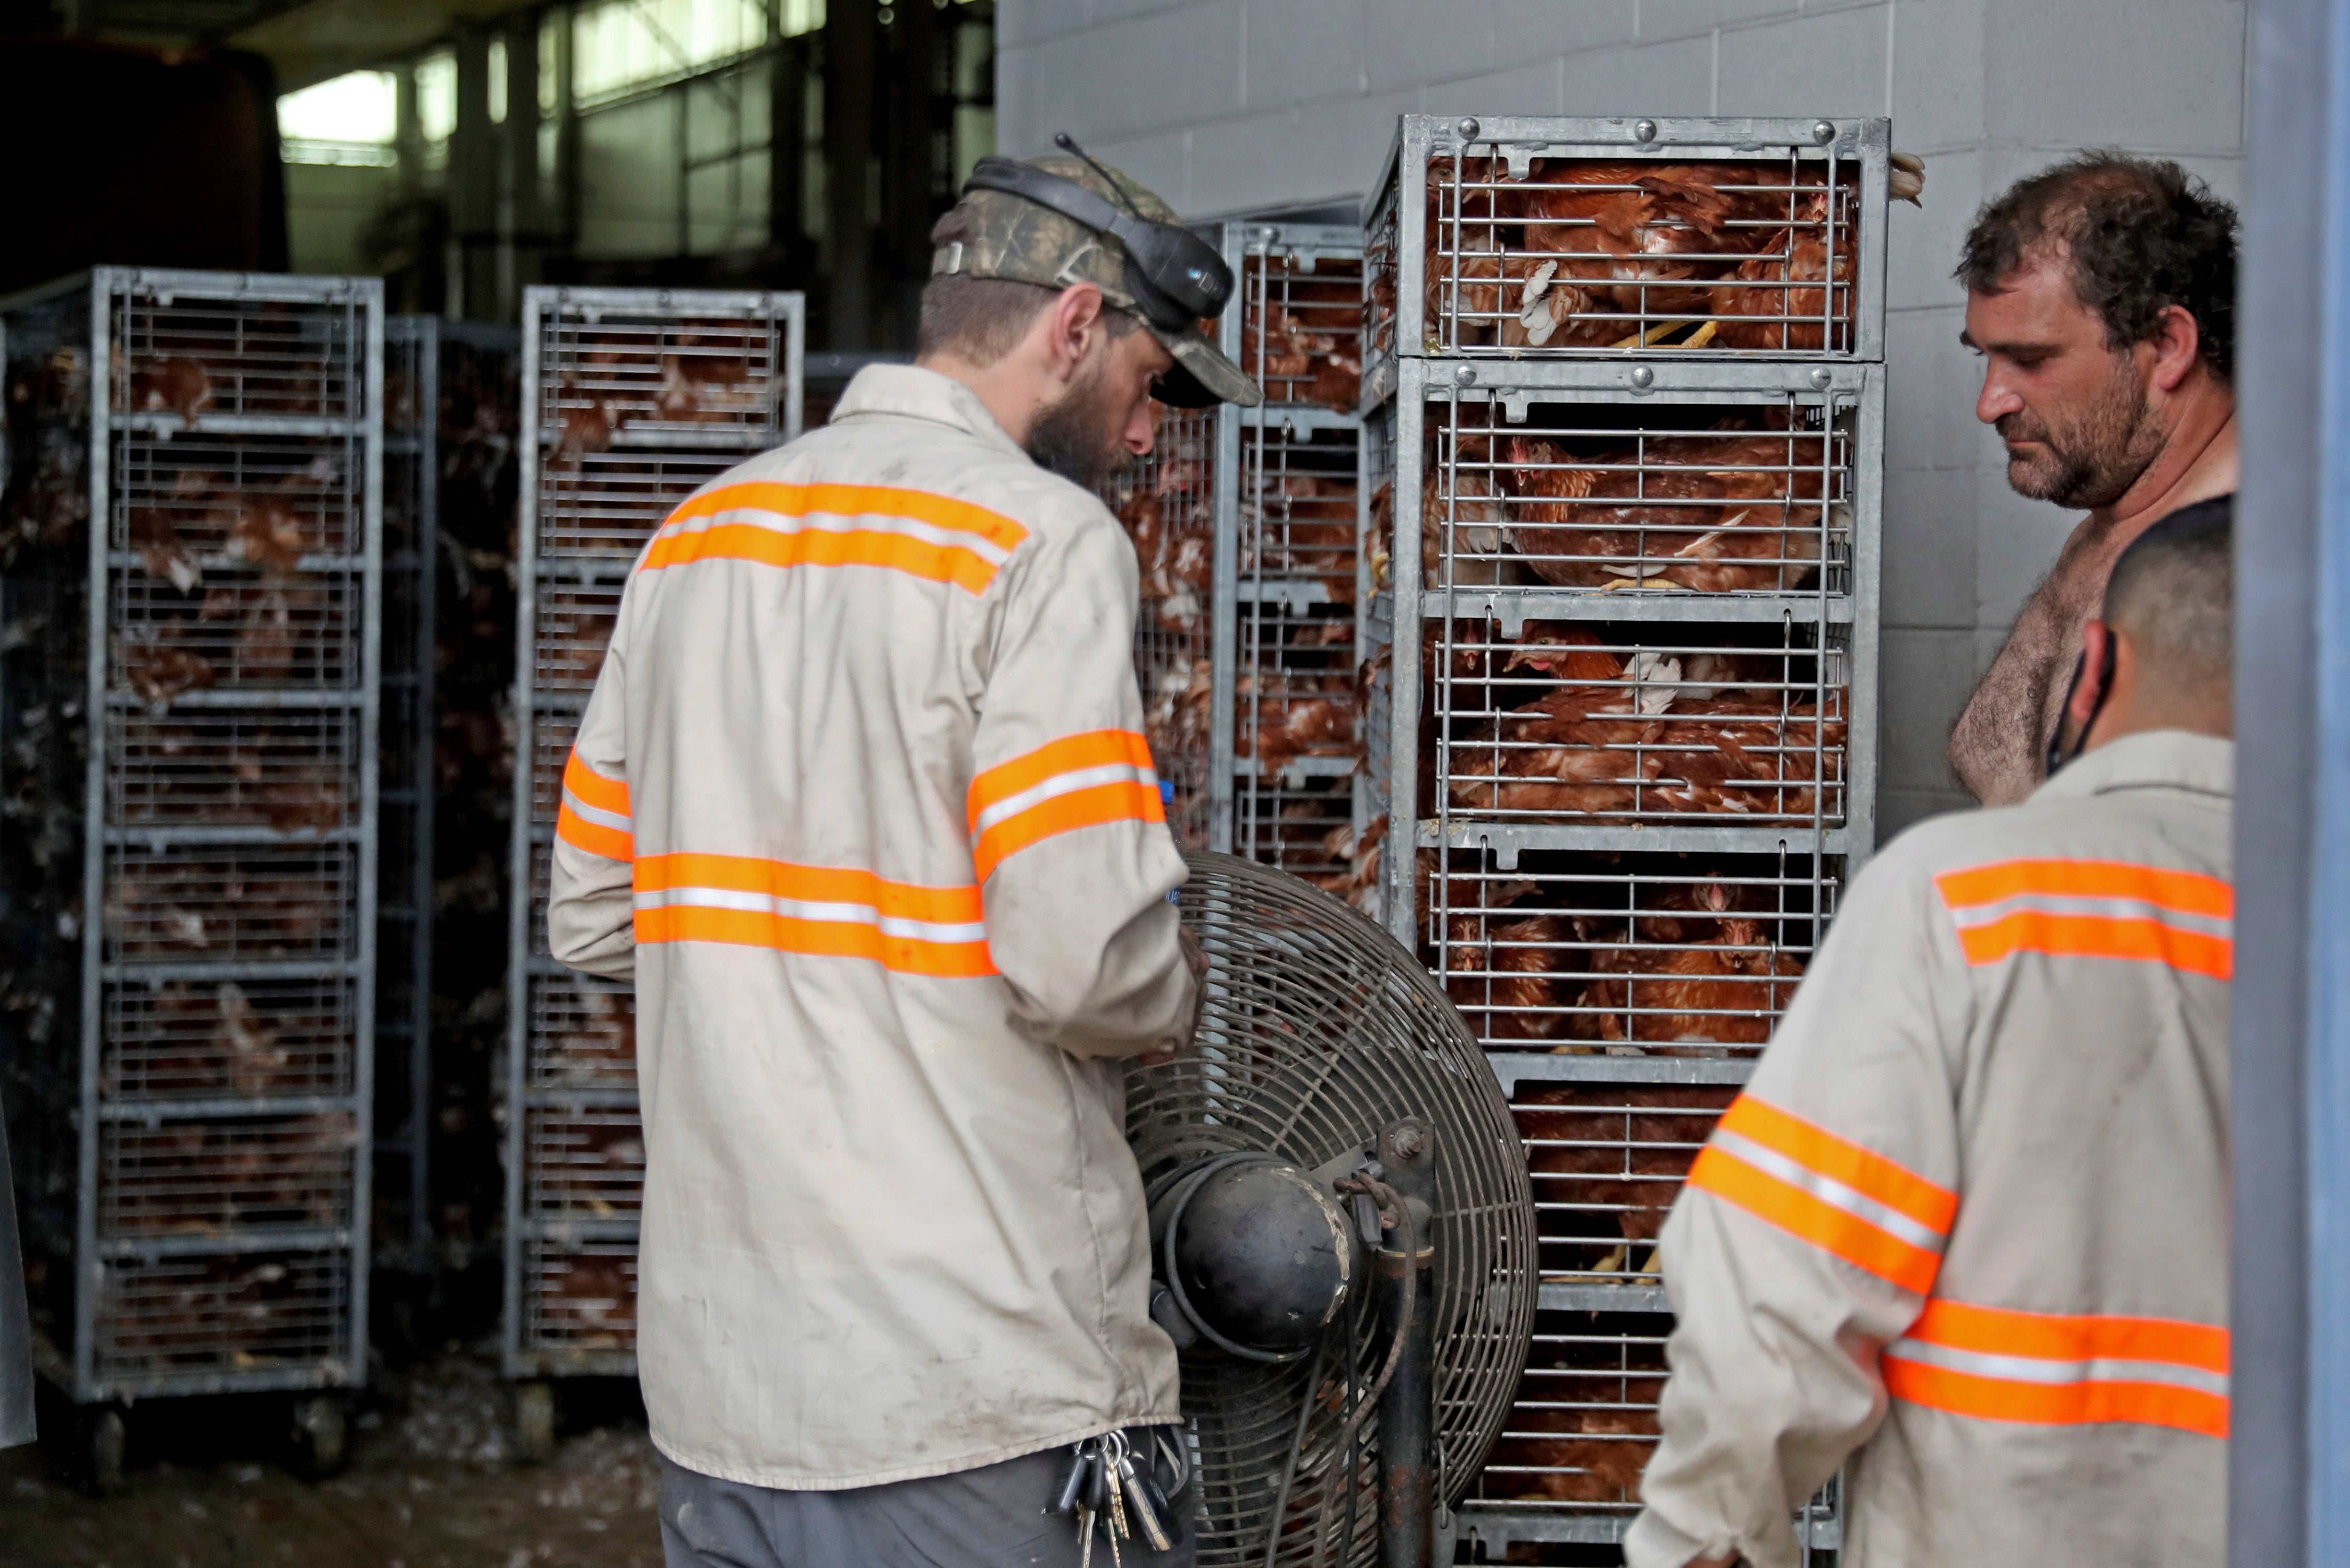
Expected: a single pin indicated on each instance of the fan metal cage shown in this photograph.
(1317, 1030)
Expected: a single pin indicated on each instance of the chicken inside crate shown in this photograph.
(195, 1315)
(219, 1178)
(1728, 497)
(1302, 325)
(1166, 502)
(585, 1160)
(1629, 722)
(187, 357)
(658, 374)
(1584, 1422)
(272, 901)
(226, 1039)
(579, 1296)
(603, 504)
(1534, 250)
(289, 770)
(583, 1034)
(1600, 952)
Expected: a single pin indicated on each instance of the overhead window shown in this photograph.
(348, 120)
(624, 46)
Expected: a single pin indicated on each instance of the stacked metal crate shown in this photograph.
(1286, 741)
(445, 383)
(189, 579)
(633, 399)
(1166, 504)
(1628, 374)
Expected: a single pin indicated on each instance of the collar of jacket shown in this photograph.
(2151, 759)
(908, 392)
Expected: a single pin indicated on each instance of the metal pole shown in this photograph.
(2293, 715)
(1407, 1407)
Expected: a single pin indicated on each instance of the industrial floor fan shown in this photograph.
(1342, 1229)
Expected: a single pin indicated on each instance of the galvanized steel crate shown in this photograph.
(1286, 738)
(1625, 671)
(632, 399)
(1518, 237)
(189, 586)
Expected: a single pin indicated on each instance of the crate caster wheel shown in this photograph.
(535, 1422)
(101, 1435)
(321, 1435)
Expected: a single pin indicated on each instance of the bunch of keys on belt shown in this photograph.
(1105, 1489)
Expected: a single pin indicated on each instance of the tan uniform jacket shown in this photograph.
(1970, 1218)
(862, 803)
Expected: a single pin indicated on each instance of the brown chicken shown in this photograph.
(1746, 755)
(1764, 302)
(1731, 509)
(1723, 990)
(179, 384)
(1281, 716)
(1303, 528)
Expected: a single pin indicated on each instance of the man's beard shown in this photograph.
(1076, 437)
(2090, 461)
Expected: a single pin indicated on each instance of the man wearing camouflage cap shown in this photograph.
(862, 806)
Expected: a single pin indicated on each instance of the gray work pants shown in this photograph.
(993, 1517)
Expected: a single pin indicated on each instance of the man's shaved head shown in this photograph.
(2172, 595)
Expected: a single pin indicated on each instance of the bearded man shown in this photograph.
(862, 805)
(2101, 295)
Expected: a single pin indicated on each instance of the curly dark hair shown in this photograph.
(2142, 234)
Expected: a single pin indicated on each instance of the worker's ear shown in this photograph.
(1073, 323)
(2100, 647)
(2176, 342)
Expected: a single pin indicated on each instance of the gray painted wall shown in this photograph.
(1229, 105)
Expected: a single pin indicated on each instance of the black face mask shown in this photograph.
(2057, 755)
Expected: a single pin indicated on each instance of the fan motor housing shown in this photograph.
(1261, 1255)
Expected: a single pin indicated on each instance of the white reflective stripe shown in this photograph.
(1974, 915)
(602, 818)
(1827, 1190)
(2038, 1369)
(978, 544)
(802, 909)
(1064, 783)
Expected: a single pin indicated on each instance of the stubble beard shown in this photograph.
(1075, 436)
(2090, 461)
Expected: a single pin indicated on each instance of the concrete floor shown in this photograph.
(431, 1485)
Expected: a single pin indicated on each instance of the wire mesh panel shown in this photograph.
(1691, 238)
(632, 399)
(191, 586)
(1166, 501)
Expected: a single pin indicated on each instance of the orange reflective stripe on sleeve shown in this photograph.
(1843, 1199)
(1078, 781)
(935, 537)
(594, 813)
(2093, 909)
(820, 910)
(1997, 1364)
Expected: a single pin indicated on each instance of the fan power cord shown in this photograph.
(1407, 1230)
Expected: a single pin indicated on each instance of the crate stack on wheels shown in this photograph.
(632, 398)
(448, 392)
(1628, 377)
(1286, 743)
(190, 581)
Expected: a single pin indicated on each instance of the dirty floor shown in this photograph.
(431, 1485)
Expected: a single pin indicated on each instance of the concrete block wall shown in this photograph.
(1232, 106)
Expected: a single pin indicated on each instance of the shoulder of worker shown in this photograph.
(903, 427)
(2164, 798)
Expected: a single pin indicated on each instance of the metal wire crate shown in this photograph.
(632, 399)
(1716, 239)
(189, 700)
(1286, 740)
(1166, 501)
(446, 385)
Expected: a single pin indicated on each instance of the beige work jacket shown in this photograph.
(862, 803)
(1968, 1226)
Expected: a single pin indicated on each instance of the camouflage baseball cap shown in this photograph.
(1010, 236)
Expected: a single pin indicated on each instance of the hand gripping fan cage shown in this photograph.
(1325, 1054)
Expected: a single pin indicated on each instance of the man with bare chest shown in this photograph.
(2101, 298)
